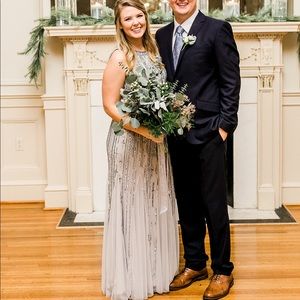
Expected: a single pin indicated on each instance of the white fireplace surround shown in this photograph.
(76, 125)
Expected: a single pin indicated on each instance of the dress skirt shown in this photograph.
(141, 250)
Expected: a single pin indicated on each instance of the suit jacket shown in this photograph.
(210, 68)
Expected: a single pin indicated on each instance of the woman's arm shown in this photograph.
(113, 81)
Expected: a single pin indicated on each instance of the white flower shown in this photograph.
(189, 40)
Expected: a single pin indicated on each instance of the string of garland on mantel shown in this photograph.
(36, 44)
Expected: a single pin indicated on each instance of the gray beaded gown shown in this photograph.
(140, 252)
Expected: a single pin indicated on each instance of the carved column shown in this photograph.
(269, 121)
(78, 125)
(87, 124)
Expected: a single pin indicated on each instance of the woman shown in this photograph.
(140, 253)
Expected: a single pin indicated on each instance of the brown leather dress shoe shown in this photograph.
(186, 278)
(219, 287)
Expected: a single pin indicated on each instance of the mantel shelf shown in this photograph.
(109, 30)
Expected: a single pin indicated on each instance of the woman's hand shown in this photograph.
(158, 140)
(145, 132)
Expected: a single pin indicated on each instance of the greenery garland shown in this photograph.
(36, 44)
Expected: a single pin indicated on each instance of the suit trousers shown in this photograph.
(200, 186)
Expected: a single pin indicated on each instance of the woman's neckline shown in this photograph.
(141, 51)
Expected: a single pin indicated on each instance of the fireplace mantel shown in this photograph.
(109, 30)
(76, 125)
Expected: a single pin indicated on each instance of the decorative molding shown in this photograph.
(266, 27)
(47, 97)
(52, 102)
(271, 35)
(31, 191)
(21, 101)
(253, 53)
(81, 86)
(83, 57)
(245, 35)
(101, 38)
(80, 52)
(54, 105)
(266, 81)
(107, 32)
(267, 55)
(22, 83)
(56, 188)
(291, 98)
(23, 182)
(290, 185)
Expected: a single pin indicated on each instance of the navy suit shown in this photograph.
(210, 68)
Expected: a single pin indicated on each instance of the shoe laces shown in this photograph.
(216, 277)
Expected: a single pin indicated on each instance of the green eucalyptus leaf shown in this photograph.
(115, 126)
(156, 105)
(143, 81)
(135, 123)
(158, 94)
(126, 108)
(131, 78)
(163, 106)
(144, 111)
(119, 133)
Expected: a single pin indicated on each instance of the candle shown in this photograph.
(203, 6)
(164, 6)
(279, 10)
(231, 8)
(96, 10)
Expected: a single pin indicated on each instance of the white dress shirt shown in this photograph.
(186, 25)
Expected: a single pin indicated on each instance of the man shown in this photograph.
(209, 66)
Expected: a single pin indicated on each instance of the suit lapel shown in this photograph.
(169, 52)
(193, 31)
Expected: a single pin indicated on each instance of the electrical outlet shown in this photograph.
(19, 144)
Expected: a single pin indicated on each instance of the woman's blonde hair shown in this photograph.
(123, 43)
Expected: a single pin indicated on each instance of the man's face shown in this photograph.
(183, 9)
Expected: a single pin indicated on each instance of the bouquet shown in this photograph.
(147, 101)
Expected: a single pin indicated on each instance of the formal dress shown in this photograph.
(140, 252)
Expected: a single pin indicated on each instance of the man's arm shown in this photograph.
(227, 58)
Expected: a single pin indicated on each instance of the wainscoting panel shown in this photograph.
(291, 148)
(23, 162)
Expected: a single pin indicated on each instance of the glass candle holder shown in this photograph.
(279, 10)
(203, 6)
(165, 7)
(64, 11)
(97, 7)
(231, 8)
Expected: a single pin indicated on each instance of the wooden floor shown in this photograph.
(41, 262)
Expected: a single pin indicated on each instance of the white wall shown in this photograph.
(290, 122)
(23, 168)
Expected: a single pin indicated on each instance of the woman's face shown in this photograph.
(133, 22)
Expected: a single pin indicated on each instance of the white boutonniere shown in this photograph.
(189, 40)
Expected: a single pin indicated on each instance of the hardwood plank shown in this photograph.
(39, 261)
